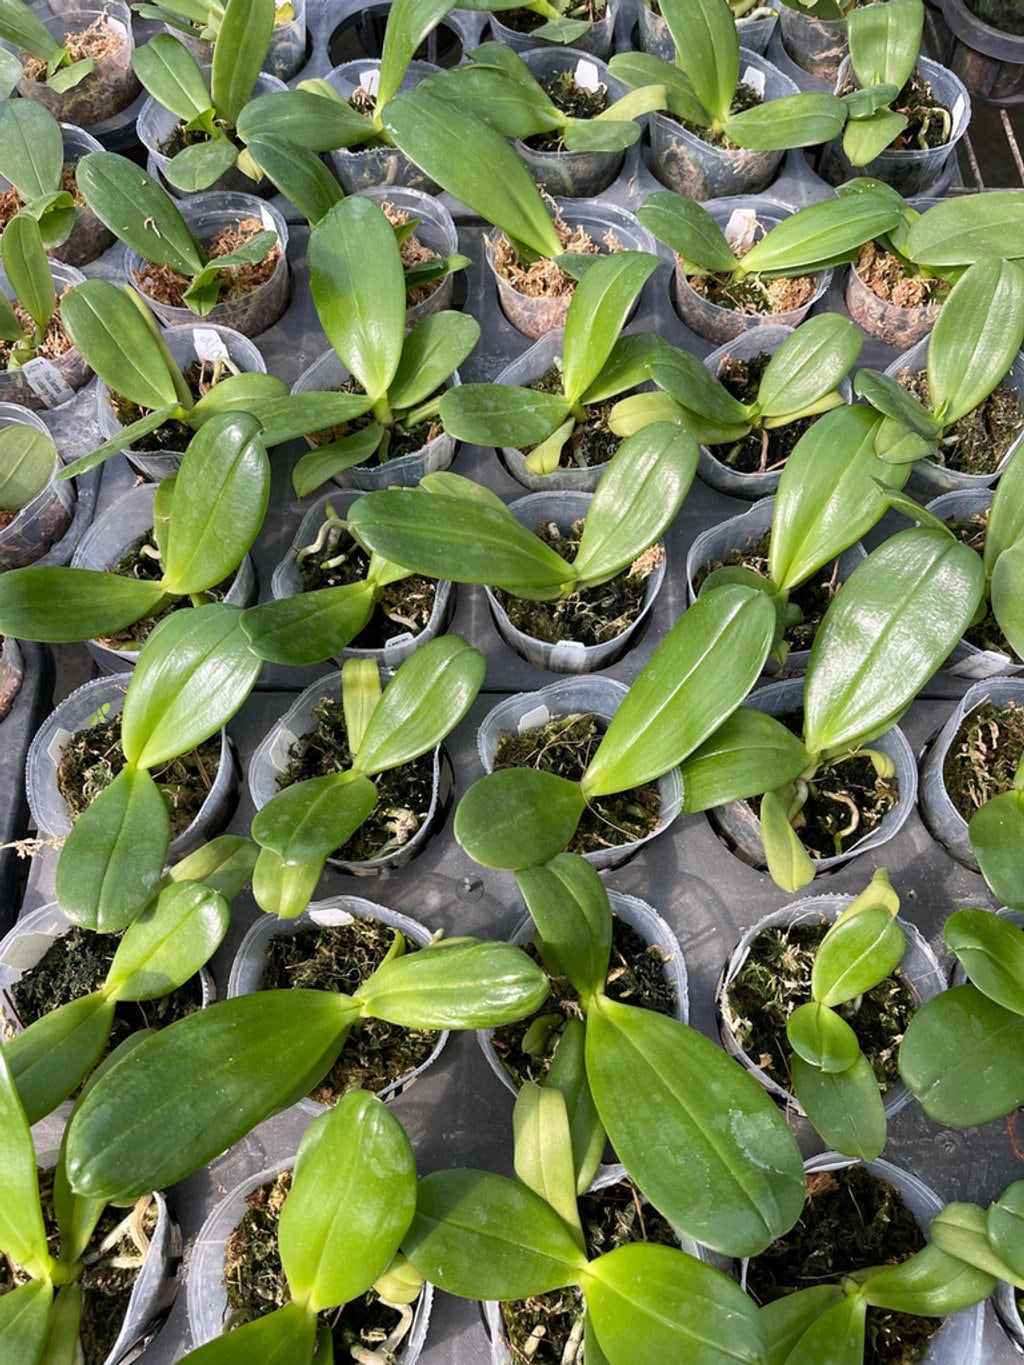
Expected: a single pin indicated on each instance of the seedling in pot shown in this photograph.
(550, 21)
(64, 70)
(32, 159)
(33, 324)
(200, 19)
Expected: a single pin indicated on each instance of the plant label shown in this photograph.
(396, 648)
(267, 219)
(586, 76)
(332, 915)
(369, 81)
(57, 745)
(740, 229)
(570, 652)
(532, 720)
(985, 663)
(46, 381)
(959, 109)
(755, 79)
(209, 345)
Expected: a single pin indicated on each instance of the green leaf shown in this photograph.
(642, 69)
(696, 677)
(834, 1337)
(652, 1075)
(688, 228)
(172, 76)
(748, 750)
(961, 1230)
(810, 363)
(804, 120)
(707, 49)
(113, 859)
(125, 437)
(225, 865)
(409, 23)
(59, 605)
(866, 138)
(220, 499)
(963, 230)
(597, 311)
(310, 819)
(65, 1321)
(297, 172)
(898, 405)
(238, 54)
(359, 290)
(569, 905)
(50, 1058)
(785, 1320)
(884, 41)
(822, 1038)
(302, 118)
(600, 135)
(285, 416)
(991, 952)
(568, 1075)
(788, 861)
(963, 1057)
(900, 613)
(996, 832)
(27, 268)
(433, 350)
(855, 955)
(31, 148)
(352, 1198)
(28, 461)
(690, 383)
(318, 465)
(202, 294)
(286, 1336)
(845, 1106)
(967, 356)
(518, 818)
(169, 942)
(194, 1088)
(930, 1283)
(819, 234)
(119, 343)
(1006, 518)
(201, 165)
(19, 25)
(543, 1151)
(25, 1320)
(861, 104)
(482, 1236)
(22, 1233)
(501, 414)
(282, 890)
(1005, 1225)
(309, 628)
(134, 207)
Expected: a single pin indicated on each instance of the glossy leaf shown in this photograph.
(309, 628)
(282, 890)
(885, 41)
(323, 462)
(433, 350)
(688, 380)
(169, 942)
(1006, 518)
(224, 864)
(1005, 1225)
(204, 290)
(744, 754)
(789, 863)
(810, 363)
(238, 54)
(409, 23)
(518, 818)
(996, 832)
(688, 228)
(930, 1283)
(310, 819)
(855, 955)
(297, 172)
(569, 905)
(957, 232)
(31, 149)
(845, 1107)
(961, 1230)
(784, 1321)
(568, 1075)
(50, 1059)
(707, 49)
(28, 461)
(199, 166)
(24, 1320)
(303, 118)
(866, 138)
(967, 356)
(501, 414)
(285, 1336)
(991, 952)
(172, 76)
(118, 343)
(597, 312)
(59, 605)
(22, 1234)
(644, 70)
(822, 1038)
(835, 1337)
(543, 1151)
(820, 234)
(27, 268)
(905, 417)
(125, 437)
(134, 207)
(804, 120)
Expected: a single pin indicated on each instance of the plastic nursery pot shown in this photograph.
(913, 170)
(206, 1295)
(595, 696)
(46, 382)
(435, 230)
(597, 40)
(119, 529)
(12, 673)
(754, 34)
(272, 755)
(607, 225)
(251, 960)
(579, 175)
(929, 477)
(287, 51)
(897, 325)
(717, 324)
(196, 341)
(940, 814)
(568, 656)
(920, 968)
(1004, 1300)
(959, 1340)
(156, 127)
(327, 372)
(363, 168)
(207, 214)
(740, 829)
(110, 87)
(818, 46)
(287, 582)
(718, 543)
(88, 238)
(989, 60)
(43, 520)
(713, 470)
(650, 926)
(686, 163)
(91, 704)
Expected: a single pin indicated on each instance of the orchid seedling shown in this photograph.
(20, 26)
(31, 281)
(32, 159)
(562, 21)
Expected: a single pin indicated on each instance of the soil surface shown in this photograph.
(201, 376)
(591, 442)
(545, 279)
(399, 439)
(55, 341)
(977, 443)
(99, 40)
(165, 285)
(930, 123)
(525, 20)
(573, 100)
(149, 569)
(895, 281)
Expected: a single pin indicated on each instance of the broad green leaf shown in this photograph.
(894, 623)
(172, 76)
(963, 1057)
(119, 343)
(1006, 517)
(650, 1304)
(810, 363)
(409, 23)
(690, 383)
(482, 1236)
(688, 228)
(31, 148)
(707, 49)
(285, 416)
(192, 1089)
(644, 70)
(597, 312)
(855, 955)
(199, 166)
(22, 1233)
(286, 1336)
(169, 942)
(28, 461)
(18, 24)
(991, 952)
(961, 230)
(134, 207)
(352, 1198)
(996, 831)
(930, 1283)
(543, 1151)
(310, 819)
(518, 818)
(432, 352)
(569, 905)
(111, 862)
(734, 1187)
(27, 268)
(899, 407)
(866, 138)
(59, 605)
(804, 120)
(25, 1320)
(457, 984)
(224, 864)
(297, 172)
(600, 135)
(322, 463)
(238, 54)
(785, 1320)
(50, 1058)
(885, 41)
(821, 233)
(1005, 1224)
(822, 1038)
(282, 890)
(748, 751)
(568, 1075)
(309, 628)
(302, 118)
(789, 863)
(696, 677)
(961, 1231)
(834, 1337)
(220, 499)
(359, 290)
(967, 356)
(501, 414)
(845, 1107)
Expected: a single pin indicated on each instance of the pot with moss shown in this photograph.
(755, 24)
(769, 974)
(377, 162)
(235, 1276)
(121, 541)
(43, 371)
(889, 299)
(851, 808)
(647, 969)
(310, 740)
(517, 28)
(101, 33)
(435, 237)
(743, 541)
(337, 945)
(88, 238)
(557, 729)
(35, 506)
(862, 1214)
(76, 753)
(817, 46)
(285, 55)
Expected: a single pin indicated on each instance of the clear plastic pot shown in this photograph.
(1004, 1298)
(363, 168)
(714, 471)
(435, 229)
(271, 758)
(250, 963)
(44, 519)
(156, 125)
(12, 673)
(579, 175)
(287, 582)
(959, 1340)
(112, 84)
(567, 656)
(740, 829)
(687, 164)
(989, 60)
(914, 170)
(285, 56)
(596, 696)
(206, 1295)
(928, 477)
(937, 809)
(597, 40)
(754, 34)
(82, 708)
(116, 531)
(533, 316)
(206, 214)
(718, 324)
(328, 373)
(89, 238)
(43, 383)
(651, 927)
(718, 542)
(893, 323)
(919, 966)
(195, 341)
(818, 46)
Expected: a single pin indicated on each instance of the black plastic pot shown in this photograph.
(988, 60)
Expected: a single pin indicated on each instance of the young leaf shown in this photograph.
(822, 1038)
(961, 1230)
(50, 1058)
(518, 818)
(568, 1075)
(172, 76)
(309, 628)
(866, 138)
(804, 120)
(707, 49)
(901, 409)
(930, 1283)
(810, 363)
(1005, 1225)
(432, 352)
(884, 41)
(204, 290)
(308, 820)
(642, 70)
(690, 383)
(27, 268)
(688, 228)
(543, 1151)
(855, 955)
(835, 1335)
(996, 832)
(242, 42)
(322, 463)
(168, 943)
(967, 356)
(570, 907)
(119, 343)
(748, 751)
(22, 1234)
(501, 414)
(788, 861)
(845, 1106)
(133, 206)
(961, 230)
(597, 312)
(197, 167)
(1006, 518)
(409, 23)
(25, 1319)
(784, 1321)
(991, 952)
(224, 864)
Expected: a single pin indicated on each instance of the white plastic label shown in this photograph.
(959, 109)
(754, 78)
(209, 345)
(396, 648)
(569, 651)
(587, 77)
(370, 80)
(986, 663)
(741, 228)
(267, 219)
(57, 745)
(331, 914)
(46, 381)
(532, 720)
(23, 954)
